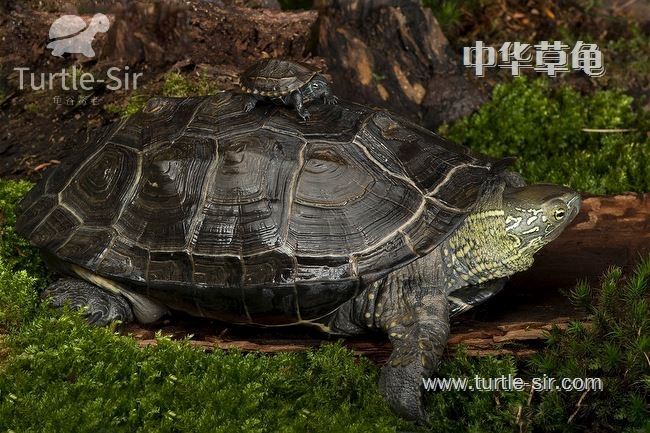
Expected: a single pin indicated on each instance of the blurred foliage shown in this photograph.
(449, 13)
(627, 60)
(545, 128)
(177, 85)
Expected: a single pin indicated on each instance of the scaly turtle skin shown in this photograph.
(355, 221)
(285, 82)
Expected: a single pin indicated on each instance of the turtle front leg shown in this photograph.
(415, 316)
(250, 101)
(296, 100)
(100, 307)
(419, 339)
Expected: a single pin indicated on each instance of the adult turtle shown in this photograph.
(354, 221)
(285, 82)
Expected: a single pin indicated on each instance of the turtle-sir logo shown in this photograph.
(71, 34)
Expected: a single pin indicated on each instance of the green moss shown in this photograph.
(627, 59)
(15, 252)
(32, 108)
(614, 348)
(545, 128)
(98, 381)
(177, 85)
(480, 411)
(17, 297)
(129, 107)
(174, 85)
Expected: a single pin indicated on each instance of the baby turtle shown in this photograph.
(71, 34)
(285, 82)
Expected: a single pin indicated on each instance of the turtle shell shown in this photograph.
(67, 25)
(276, 77)
(252, 217)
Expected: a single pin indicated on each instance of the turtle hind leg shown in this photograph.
(100, 306)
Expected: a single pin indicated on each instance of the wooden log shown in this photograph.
(610, 230)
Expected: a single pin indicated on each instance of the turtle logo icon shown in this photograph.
(71, 34)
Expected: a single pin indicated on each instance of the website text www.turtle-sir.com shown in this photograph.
(512, 383)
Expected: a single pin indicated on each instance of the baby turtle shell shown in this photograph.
(276, 77)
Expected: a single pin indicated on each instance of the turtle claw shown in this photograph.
(97, 305)
(250, 104)
(331, 99)
(304, 114)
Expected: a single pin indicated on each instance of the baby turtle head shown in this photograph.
(537, 214)
(318, 87)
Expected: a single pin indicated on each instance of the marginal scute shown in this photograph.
(270, 269)
(318, 298)
(87, 244)
(271, 305)
(54, 231)
(169, 267)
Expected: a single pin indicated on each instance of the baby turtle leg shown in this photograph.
(296, 100)
(329, 97)
(100, 307)
(250, 101)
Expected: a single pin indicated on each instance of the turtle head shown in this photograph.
(317, 88)
(537, 214)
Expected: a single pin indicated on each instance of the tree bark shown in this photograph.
(393, 54)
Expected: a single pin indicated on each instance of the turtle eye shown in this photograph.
(559, 214)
